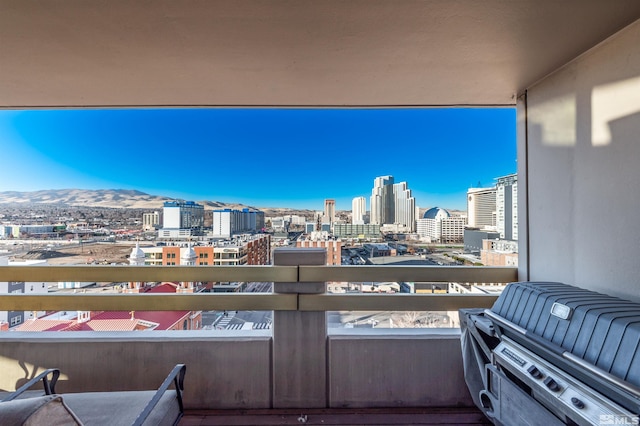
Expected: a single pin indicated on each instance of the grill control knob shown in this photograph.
(577, 403)
(552, 384)
(535, 373)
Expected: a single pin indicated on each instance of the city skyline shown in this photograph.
(293, 158)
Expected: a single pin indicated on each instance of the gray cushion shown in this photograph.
(49, 410)
(122, 408)
(26, 394)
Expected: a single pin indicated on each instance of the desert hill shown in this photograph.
(118, 198)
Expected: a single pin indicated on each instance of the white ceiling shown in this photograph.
(85, 53)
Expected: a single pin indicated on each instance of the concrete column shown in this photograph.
(299, 340)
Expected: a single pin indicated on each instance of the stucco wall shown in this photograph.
(222, 372)
(581, 162)
(393, 368)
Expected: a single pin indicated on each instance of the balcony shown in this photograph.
(570, 68)
(299, 364)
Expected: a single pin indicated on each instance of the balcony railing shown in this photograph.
(252, 301)
(299, 363)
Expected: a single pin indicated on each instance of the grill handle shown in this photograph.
(557, 350)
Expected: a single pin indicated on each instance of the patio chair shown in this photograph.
(159, 407)
(25, 390)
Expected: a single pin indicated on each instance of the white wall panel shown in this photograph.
(583, 149)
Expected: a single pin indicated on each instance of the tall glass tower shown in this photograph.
(382, 209)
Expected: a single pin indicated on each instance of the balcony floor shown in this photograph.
(368, 416)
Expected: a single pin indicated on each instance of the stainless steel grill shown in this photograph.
(549, 353)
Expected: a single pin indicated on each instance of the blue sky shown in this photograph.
(260, 157)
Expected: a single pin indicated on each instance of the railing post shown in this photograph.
(299, 340)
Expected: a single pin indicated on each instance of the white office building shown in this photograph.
(481, 207)
(10, 319)
(358, 210)
(181, 219)
(329, 211)
(150, 220)
(392, 204)
(438, 225)
(222, 223)
(381, 203)
(507, 207)
(227, 222)
(404, 207)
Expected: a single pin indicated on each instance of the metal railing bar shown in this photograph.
(102, 273)
(245, 301)
(149, 302)
(249, 301)
(267, 273)
(393, 302)
(377, 273)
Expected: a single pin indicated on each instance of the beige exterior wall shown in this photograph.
(233, 370)
(493, 254)
(582, 152)
(333, 247)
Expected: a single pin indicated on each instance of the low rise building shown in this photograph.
(499, 253)
(241, 250)
(439, 226)
(322, 240)
(12, 319)
(359, 231)
(379, 249)
(474, 237)
(120, 320)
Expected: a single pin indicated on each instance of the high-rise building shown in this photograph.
(228, 222)
(358, 210)
(507, 207)
(330, 211)
(181, 219)
(392, 204)
(404, 207)
(382, 210)
(481, 207)
(150, 220)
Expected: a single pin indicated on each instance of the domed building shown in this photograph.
(438, 225)
(436, 213)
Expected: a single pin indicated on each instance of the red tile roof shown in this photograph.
(116, 320)
(44, 325)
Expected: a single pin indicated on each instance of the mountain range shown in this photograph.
(113, 198)
(109, 198)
